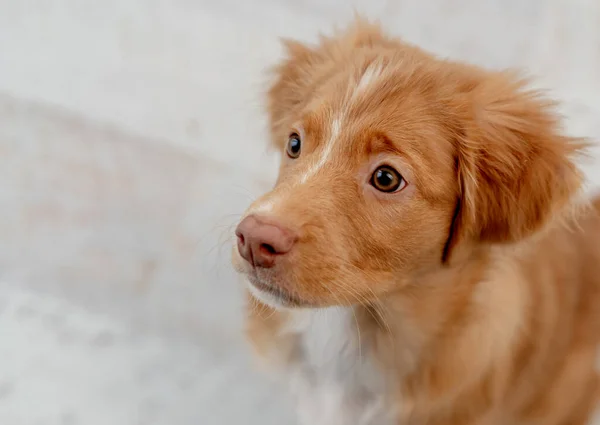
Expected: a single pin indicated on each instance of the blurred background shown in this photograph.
(131, 138)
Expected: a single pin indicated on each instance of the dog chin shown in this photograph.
(273, 296)
(267, 298)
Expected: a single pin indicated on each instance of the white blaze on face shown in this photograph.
(370, 76)
(357, 88)
(334, 133)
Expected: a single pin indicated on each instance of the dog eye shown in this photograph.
(386, 179)
(293, 146)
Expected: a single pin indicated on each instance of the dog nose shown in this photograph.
(260, 242)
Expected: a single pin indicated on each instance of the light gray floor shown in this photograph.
(131, 137)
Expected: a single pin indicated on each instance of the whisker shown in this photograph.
(216, 227)
(222, 240)
(358, 334)
(374, 305)
(382, 319)
(260, 308)
(236, 191)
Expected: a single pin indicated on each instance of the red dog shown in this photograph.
(418, 261)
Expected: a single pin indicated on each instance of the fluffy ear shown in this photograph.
(515, 168)
(292, 78)
(304, 68)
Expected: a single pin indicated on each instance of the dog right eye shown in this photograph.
(293, 146)
(386, 179)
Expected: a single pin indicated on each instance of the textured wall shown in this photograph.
(131, 135)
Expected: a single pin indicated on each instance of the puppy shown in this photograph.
(419, 260)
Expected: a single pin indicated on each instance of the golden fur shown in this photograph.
(475, 287)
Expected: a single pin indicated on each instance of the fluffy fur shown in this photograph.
(471, 296)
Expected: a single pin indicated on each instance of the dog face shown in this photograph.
(393, 161)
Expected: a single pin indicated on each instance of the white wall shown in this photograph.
(131, 134)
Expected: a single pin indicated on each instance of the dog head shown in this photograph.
(392, 162)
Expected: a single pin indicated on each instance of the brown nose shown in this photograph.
(260, 242)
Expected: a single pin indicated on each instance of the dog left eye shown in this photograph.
(293, 146)
(386, 179)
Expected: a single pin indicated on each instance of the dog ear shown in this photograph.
(304, 67)
(292, 78)
(515, 168)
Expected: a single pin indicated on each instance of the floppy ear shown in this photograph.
(304, 68)
(292, 78)
(515, 169)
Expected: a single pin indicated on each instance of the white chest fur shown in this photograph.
(332, 376)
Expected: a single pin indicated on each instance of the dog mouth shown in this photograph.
(272, 295)
(261, 288)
